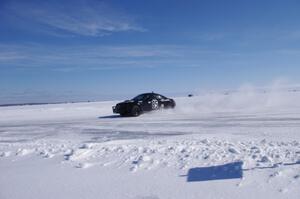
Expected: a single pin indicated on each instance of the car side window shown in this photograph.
(160, 97)
(146, 97)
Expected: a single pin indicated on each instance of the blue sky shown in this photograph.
(89, 49)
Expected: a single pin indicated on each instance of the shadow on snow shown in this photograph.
(109, 117)
(222, 172)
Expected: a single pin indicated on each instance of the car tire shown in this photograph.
(173, 104)
(135, 111)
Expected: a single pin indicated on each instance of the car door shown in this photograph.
(146, 103)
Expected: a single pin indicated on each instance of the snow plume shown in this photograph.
(247, 98)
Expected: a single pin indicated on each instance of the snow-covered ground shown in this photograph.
(240, 145)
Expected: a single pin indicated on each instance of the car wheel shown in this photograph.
(154, 104)
(136, 111)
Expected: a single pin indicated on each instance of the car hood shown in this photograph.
(127, 102)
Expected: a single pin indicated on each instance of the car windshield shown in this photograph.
(139, 97)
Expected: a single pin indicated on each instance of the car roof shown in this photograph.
(149, 94)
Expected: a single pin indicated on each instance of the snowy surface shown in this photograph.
(239, 145)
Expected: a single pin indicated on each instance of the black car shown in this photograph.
(143, 103)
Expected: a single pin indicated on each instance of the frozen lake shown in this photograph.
(236, 144)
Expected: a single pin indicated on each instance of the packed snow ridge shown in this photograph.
(177, 152)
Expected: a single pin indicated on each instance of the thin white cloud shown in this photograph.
(10, 56)
(101, 57)
(83, 17)
(94, 57)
